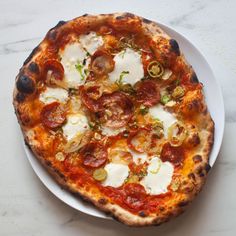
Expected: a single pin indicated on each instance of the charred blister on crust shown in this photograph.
(58, 25)
(48, 163)
(27, 144)
(197, 158)
(200, 171)
(174, 46)
(102, 201)
(194, 140)
(52, 33)
(60, 174)
(25, 84)
(183, 203)
(142, 214)
(207, 168)
(20, 97)
(35, 50)
(147, 21)
(192, 176)
(125, 15)
(194, 79)
(33, 67)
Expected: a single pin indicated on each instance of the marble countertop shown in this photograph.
(26, 206)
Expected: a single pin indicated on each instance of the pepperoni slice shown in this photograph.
(55, 69)
(117, 109)
(53, 115)
(140, 140)
(175, 155)
(102, 63)
(94, 154)
(148, 93)
(88, 98)
(134, 196)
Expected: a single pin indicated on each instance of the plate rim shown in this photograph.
(212, 158)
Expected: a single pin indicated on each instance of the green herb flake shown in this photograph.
(79, 67)
(165, 98)
(119, 81)
(143, 110)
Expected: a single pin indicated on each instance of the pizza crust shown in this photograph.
(198, 174)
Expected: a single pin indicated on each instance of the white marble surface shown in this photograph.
(26, 206)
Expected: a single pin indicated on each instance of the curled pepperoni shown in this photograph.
(53, 115)
(117, 110)
(88, 97)
(54, 68)
(140, 139)
(102, 63)
(134, 196)
(94, 154)
(148, 93)
(175, 155)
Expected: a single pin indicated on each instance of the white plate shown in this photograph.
(214, 101)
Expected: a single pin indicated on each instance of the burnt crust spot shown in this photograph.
(147, 21)
(192, 176)
(126, 15)
(52, 33)
(197, 158)
(174, 46)
(102, 201)
(20, 97)
(60, 174)
(35, 50)
(183, 203)
(25, 84)
(194, 79)
(194, 140)
(27, 144)
(200, 172)
(207, 168)
(84, 15)
(142, 214)
(33, 67)
(58, 25)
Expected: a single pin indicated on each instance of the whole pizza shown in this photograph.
(110, 107)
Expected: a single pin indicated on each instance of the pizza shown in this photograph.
(111, 108)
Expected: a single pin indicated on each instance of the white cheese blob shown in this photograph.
(128, 63)
(91, 42)
(72, 59)
(159, 176)
(139, 158)
(116, 174)
(54, 95)
(111, 132)
(76, 124)
(157, 112)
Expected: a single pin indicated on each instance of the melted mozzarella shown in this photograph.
(159, 176)
(54, 94)
(76, 124)
(91, 42)
(72, 56)
(157, 112)
(111, 132)
(139, 158)
(127, 61)
(116, 174)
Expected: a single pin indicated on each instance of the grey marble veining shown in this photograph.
(26, 206)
